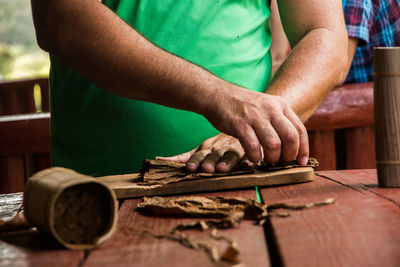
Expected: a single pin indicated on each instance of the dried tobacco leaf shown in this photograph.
(231, 254)
(228, 211)
(157, 172)
(300, 206)
(235, 209)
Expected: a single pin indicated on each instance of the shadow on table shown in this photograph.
(31, 240)
(371, 185)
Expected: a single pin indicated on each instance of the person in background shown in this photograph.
(370, 23)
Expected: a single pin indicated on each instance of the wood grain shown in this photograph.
(130, 248)
(10, 204)
(16, 97)
(24, 134)
(322, 147)
(364, 180)
(125, 185)
(24, 149)
(30, 248)
(360, 147)
(347, 106)
(359, 229)
(12, 175)
(387, 114)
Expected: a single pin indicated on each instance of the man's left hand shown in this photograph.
(217, 154)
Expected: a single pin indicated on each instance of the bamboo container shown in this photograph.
(79, 211)
(387, 115)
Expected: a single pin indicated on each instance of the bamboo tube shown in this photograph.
(387, 115)
(79, 211)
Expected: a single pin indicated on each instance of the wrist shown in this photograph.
(210, 96)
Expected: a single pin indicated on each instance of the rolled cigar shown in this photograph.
(387, 115)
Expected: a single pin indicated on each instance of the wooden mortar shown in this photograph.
(79, 211)
(387, 115)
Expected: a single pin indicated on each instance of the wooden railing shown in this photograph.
(24, 139)
(344, 122)
(340, 131)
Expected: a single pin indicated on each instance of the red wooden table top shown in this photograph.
(360, 229)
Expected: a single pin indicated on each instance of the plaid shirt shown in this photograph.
(374, 23)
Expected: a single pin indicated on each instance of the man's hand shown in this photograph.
(219, 153)
(261, 121)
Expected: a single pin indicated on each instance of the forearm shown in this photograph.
(315, 66)
(318, 60)
(95, 42)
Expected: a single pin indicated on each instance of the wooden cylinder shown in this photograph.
(387, 115)
(79, 211)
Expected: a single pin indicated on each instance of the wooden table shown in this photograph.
(362, 228)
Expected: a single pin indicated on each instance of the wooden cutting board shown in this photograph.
(168, 178)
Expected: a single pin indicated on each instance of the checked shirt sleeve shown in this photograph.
(358, 15)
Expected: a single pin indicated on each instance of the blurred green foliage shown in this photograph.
(20, 57)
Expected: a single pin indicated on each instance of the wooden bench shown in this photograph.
(340, 131)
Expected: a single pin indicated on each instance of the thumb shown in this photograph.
(182, 158)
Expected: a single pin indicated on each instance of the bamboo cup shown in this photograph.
(79, 211)
(387, 115)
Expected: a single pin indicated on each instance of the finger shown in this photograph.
(229, 160)
(250, 143)
(196, 159)
(182, 158)
(245, 162)
(289, 138)
(208, 164)
(304, 150)
(270, 141)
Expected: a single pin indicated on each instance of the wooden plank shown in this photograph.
(322, 147)
(25, 134)
(30, 248)
(12, 176)
(367, 181)
(129, 248)
(345, 107)
(360, 147)
(125, 186)
(10, 204)
(10, 86)
(359, 229)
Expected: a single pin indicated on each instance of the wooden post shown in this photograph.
(387, 115)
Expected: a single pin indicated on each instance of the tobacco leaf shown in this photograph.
(300, 206)
(158, 172)
(235, 209)
(228, 212)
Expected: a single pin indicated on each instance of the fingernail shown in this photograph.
(303, 161)
(191, 166)
(222, 167)
(208, 168)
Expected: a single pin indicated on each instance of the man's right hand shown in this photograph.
(260, 121)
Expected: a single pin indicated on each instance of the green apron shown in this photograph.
(97, 133)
